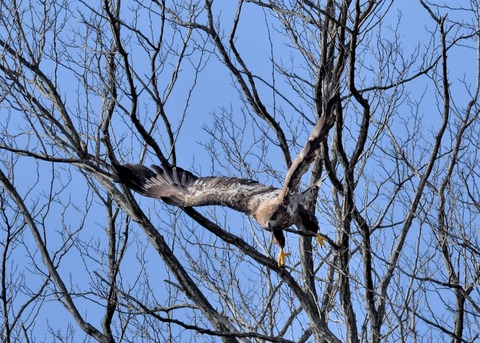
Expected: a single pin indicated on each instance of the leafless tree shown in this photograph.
(224, 88)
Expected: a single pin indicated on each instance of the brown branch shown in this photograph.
(412, 210)
(63, 293)
(115, 28)
(188, 285)
(307, 300)
(248, 86)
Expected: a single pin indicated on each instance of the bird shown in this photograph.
(274, 209)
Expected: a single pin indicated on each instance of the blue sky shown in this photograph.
(214, 91)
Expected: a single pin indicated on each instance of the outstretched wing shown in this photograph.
(307, 155)
(179, 187)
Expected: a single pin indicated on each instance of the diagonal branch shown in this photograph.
(63, 293)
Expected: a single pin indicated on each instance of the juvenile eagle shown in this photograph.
(273, 208)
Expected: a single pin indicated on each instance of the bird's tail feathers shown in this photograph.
(316, 185)
(319, 182)
(310, 194)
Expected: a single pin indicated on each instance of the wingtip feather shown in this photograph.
(166, 183)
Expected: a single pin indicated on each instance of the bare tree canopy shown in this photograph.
(239, 90)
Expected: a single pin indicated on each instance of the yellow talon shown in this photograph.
(320, 239)
(281, 257)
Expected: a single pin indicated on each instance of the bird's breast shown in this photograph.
(265, 211)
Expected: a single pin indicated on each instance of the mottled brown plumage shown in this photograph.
(273, 208)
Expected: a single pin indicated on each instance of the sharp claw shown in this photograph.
(281, 257)
(320, 239)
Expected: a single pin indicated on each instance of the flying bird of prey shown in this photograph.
(273, 208)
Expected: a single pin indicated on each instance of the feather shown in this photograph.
(307, 155)
(274, 209)
(180, 187)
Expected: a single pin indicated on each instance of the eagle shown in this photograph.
(274, 209)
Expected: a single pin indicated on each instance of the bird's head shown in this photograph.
(276, 220)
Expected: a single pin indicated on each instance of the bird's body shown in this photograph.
(273, 208)
(178, 187)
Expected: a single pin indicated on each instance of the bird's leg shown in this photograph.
(310, 222)
(280, 239)
(281, 257)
